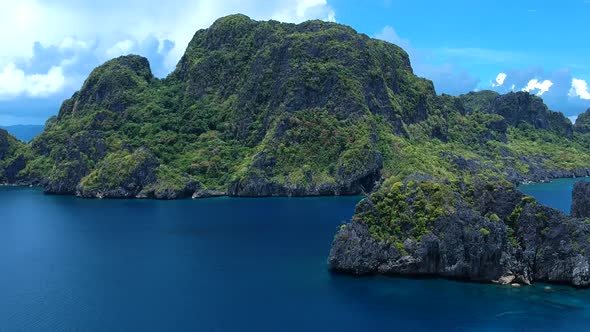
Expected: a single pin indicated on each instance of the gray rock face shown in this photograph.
(457, 248)
(11, 163)
(108, 86)
(581, 200)
(582, 124)
(524, 242)
(4, 143)
(169, 194)
(522, 107)
(206, 193)
(138, 179)
(11, 173)
(348, 184)
(68, 179)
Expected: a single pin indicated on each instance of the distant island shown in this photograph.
(24, 133)
(273, 109)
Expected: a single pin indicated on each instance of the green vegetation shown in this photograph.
(407, 209)
(484, 231)
(9, 148)
(583, 123)
(314, 108)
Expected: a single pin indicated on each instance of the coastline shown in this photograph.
(493, 234)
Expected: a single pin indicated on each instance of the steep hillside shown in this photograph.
(582, 125)
(253, 108)
(11, 162)
(268, 108)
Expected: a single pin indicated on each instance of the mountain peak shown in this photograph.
(112, 86)
(259, 108)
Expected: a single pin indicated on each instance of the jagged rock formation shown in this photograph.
(524, 108)
(582, 124)
(488, 233)
(581, 200)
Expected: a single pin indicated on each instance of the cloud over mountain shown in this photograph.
(67, 30)
(48, 48)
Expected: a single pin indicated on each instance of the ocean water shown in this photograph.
(69, 264)
(556, 194)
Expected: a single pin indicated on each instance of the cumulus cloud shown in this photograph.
(305, 9)
(536, 85)
(51, 21)
(499, 80)
(14, 82)
(120, 48)
(579, 89)
(71, 29)
(48, 48)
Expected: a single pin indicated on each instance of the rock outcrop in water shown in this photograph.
(487, 233)
(581, 200)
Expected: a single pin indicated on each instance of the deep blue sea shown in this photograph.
(69, 264)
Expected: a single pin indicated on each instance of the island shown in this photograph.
(263, 108)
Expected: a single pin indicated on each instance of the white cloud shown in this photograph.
(82, 25)
(512, 87)
(499, 80)
(573, 118)
(579, 89)
(120, 48)
(40, 85)
(70, 43)
(50, 22)
(304, 9)
(14, 82)
(389, 34)
(535, 84)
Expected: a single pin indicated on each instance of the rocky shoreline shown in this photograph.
(253, 187)
(500, 236)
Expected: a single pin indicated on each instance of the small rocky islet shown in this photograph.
(488, 233)
(273, 109)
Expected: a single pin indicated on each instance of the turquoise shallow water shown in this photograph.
(68, 264)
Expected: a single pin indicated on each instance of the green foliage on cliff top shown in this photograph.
(407, 209)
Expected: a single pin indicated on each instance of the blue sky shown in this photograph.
(537, 46)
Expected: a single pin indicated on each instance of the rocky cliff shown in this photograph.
(581, 200)
(582, 125)
(488, 232)
(523, 108)
(11, 162)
